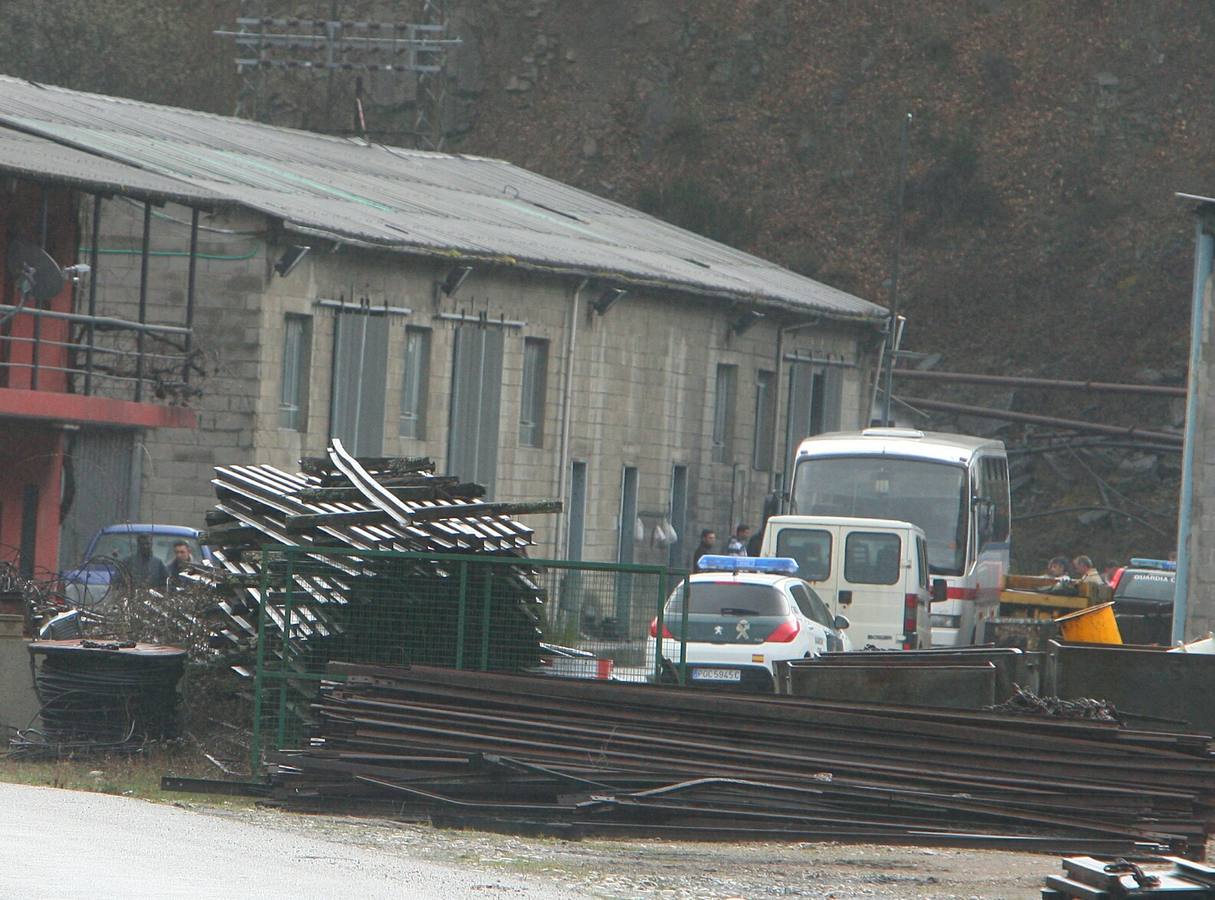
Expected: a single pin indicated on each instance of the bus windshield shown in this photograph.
(931, 495)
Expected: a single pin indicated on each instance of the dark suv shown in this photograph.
(1143, 600)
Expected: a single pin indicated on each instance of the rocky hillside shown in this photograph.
(1047, 141)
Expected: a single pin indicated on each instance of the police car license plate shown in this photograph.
(716, 675)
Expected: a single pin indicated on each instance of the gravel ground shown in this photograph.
(670, 869)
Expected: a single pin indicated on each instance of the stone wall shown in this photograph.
(642, 387)
(175, 465)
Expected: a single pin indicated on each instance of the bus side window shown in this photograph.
(1000, 498)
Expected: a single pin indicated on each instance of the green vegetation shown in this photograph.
(126, 775)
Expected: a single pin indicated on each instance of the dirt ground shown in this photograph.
(670, 869)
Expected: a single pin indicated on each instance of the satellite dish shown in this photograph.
(37, 275)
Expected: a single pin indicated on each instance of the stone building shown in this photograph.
(527, 335)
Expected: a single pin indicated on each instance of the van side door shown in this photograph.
(873, 576)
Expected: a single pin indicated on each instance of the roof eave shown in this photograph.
(878, 318)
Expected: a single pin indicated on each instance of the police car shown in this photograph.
(1143, 600)
(742, 615)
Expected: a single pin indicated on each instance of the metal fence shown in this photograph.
(491, 613)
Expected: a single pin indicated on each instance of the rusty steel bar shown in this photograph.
(143, 298)
(1032, 418)
(1159, 390)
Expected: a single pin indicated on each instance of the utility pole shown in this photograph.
(269, 41)
(894, 333)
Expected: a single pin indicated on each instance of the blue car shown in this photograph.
(88, 586)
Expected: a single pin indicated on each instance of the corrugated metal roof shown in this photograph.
(36, 157)
(395, 199)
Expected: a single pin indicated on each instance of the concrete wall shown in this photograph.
(1200, 617)
(642, 388)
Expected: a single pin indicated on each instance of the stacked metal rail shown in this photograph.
(574, 758)
(361, 506)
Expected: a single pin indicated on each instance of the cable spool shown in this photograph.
(110, 696)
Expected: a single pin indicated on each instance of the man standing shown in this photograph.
(1086, 573)
(144, 569)
(708, 538)
(180, 563)
(1057, 567)
(737, 545)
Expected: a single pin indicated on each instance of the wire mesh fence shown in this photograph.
(489, 613)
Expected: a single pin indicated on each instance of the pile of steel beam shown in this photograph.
(1088, 878)
(573, 758)
(357, 506)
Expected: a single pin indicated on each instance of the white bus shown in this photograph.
(952, 486)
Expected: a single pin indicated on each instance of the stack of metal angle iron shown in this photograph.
(522, 753)
(378, 504)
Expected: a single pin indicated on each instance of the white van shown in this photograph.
(874, 571)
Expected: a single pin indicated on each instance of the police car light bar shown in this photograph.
(771, 565)
(1141, 563)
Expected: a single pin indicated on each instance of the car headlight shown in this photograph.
(946, 621)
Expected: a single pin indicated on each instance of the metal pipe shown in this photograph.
(1204, 255)
(190, 279)
(479, 320)
(143, 297)
(1160, 390)
(780, 345)
(92, 330)
(904, 140)
(1073, 424)
(44, 228)
(104, 321)
(567, 411)
(780, 357)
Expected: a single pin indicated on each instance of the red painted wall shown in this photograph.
(30, 455)
(21, 219)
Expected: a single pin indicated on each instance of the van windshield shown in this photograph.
(929, 494)
(121, 545)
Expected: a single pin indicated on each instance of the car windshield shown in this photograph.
(1156, 586)
(932, 495)
(121, 545)
(730, 598)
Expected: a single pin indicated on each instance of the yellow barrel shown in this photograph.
(1095, 625)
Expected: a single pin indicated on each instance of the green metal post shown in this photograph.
(259, 678)
(284, 683)
(683, 632)
(660, 626)
(462, 615)
(486, 603)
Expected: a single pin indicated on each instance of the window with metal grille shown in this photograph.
(723, 412)
(765, 419)
(414, 385)
(531, 409)
(293, 389)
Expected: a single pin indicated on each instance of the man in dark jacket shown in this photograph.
(144, 569)
(708, 538)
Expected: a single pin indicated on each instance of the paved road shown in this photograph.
(65, 845)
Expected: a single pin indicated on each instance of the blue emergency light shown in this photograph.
(1141, 563)
(769, 565)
